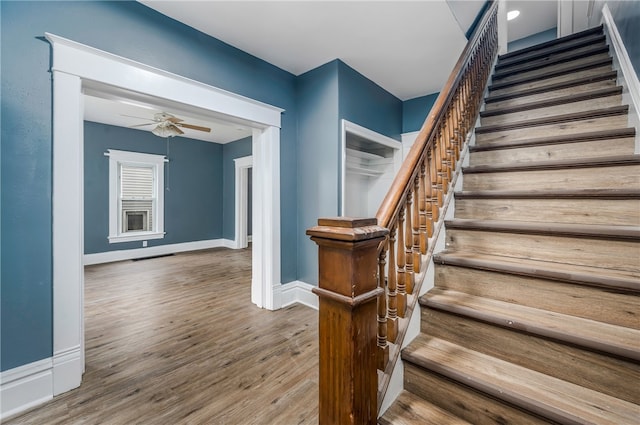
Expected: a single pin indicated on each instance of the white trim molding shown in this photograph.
(629, 78)
(152, 251)
(156, 162)
(299, 292)
(25, 387)
(76, 67)
(242, 165)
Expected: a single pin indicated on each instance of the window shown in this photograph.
(136, 196)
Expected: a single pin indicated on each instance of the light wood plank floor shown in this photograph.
(176, 340)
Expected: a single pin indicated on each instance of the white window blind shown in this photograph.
(137, 196)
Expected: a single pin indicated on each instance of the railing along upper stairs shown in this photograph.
(370, 272)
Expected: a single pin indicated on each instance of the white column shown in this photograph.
(68, 222)
(265, 283)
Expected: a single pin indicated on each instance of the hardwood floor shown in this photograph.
(176, 340)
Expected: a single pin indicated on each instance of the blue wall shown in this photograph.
(326, 95)
(532, 40)
(131, 30)
(318, 133)
(231, 151)
(193, 195)
(415, 111)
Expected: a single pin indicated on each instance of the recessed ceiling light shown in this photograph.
(512, 14)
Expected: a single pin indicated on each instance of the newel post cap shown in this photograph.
(348, 229)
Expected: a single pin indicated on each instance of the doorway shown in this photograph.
(74, 67)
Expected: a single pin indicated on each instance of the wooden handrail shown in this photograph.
(411, 208)
(389, 207)
(370, 275)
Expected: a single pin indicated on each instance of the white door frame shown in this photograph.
(242, 166)
(76, 65)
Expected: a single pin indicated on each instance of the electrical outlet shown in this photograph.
(144, 244)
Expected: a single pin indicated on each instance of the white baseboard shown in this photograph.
(131, 254)
(25, 387)
(67, 369)
(629, 78)
(298, 292)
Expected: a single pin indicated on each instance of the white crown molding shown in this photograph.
(78, 59)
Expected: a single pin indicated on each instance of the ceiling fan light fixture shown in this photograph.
(165, 129)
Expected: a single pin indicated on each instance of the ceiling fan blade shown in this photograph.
(174, 120)
(141, 125)
(140, 118)
(193, 127)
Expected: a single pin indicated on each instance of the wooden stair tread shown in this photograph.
(593, 94)
(549, 397)
(409, 409)
(554, 194)
(569, 69)
(570, 273)
(557, 119)
(617, 340)
(609, 75)
(553, 140)
(564, 47)
(551, 43)
(620, 160)
(540, 63)
(565, 229)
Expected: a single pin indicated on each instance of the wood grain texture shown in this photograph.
(584, 211)
(606, 81)
(541, 85)
(617, 255)
(596, 371)
(176, 340)
(568, 151)
(410, 409)
(579, 179)
(559, 400)
(567, 50)
(466, 403)
(551, 111)
(553, 130)
(589, 302)
(616, 340)
(567, 42)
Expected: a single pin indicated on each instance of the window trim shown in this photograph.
(117, 157)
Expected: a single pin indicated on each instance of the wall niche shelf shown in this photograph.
(370, 162)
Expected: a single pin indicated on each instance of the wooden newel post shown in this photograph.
(348, 292)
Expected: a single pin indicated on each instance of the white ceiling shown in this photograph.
(406, 47)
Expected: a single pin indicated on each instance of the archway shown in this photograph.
(75, 66)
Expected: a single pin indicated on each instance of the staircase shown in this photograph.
(535, 313)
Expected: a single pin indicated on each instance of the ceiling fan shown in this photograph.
(167, 125)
